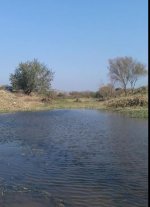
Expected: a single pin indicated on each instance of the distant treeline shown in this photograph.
(105, 92)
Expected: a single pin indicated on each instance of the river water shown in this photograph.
(73, 158)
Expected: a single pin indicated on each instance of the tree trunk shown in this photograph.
(125, 90)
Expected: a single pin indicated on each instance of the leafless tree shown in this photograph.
(137, 70)
(125, 70)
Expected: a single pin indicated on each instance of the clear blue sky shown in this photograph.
(73, 37)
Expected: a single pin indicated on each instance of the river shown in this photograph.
(73, 158)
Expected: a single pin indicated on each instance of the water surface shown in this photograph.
(72, 158)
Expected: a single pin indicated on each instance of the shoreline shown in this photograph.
(138, 112)
(132, 106)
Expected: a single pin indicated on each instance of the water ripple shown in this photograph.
(73, 158)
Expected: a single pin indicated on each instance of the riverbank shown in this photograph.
(13, 102)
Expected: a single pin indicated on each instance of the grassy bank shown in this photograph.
(10, 102)
(138, 112)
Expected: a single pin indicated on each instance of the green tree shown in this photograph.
(32, 76)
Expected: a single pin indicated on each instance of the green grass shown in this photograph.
(139, 112)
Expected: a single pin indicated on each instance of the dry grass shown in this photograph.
(129, 101)
(135, 106)
(18, 102)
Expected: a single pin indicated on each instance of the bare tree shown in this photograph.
(125, 70)
(137, 70)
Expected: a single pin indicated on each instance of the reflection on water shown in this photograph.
(72, 158)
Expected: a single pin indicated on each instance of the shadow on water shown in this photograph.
(72, 158)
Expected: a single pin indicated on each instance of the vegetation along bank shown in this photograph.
(31, 90)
